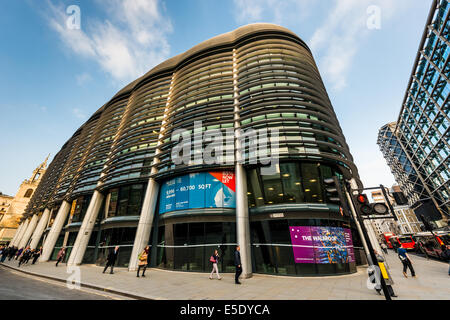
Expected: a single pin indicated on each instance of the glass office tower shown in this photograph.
(417, 147)
(115, 181)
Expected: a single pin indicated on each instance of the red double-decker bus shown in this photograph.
(387, 236)
(406, 242)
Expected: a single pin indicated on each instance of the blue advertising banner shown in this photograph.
(215, 189)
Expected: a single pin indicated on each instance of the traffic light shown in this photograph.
(365, 208)
(334, 194)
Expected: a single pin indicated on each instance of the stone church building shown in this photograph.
(15, 206)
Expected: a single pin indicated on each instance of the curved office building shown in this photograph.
(116, 181)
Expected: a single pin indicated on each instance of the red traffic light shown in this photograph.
(362, 198)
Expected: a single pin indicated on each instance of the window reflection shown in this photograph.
(293, 183)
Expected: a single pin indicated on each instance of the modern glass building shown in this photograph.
(417, 145)
(115, 181)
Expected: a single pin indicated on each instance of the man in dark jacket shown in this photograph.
(237, 263)
(111, 260)
(5, 253)
(12, 253)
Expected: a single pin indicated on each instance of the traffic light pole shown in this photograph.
(372, 258)
(386, 199)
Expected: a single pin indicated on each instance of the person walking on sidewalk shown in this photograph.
(238, 264)
(36, 255)
(144, 261)
(19, 253)
(111, 260)
(406, 261)
(215, 260)
(61, 255)
(12, 253)
(384, 247)
(5, 253)
(30, 255)
(25, 256)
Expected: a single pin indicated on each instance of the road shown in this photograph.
(18, 286)
(432, 281)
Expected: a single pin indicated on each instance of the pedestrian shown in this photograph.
(384, 247)
(387, 279)
(215, 260)
(30, 255)
(36, 255)
(25, 256)
(12, 253)
(5, 254)
(61, 255)
(446, 255)
(144, 261)
(111, 260)
(406, 261)
(19, 253)
(238, 264)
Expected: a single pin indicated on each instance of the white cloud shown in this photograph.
(78, 113)
(275, 11)
(127, 44)
(83, 78)
(338, 39)
(374, 171)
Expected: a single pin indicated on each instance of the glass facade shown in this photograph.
(126, 200)
(257, 77)
(295, 182)
(272, 248)
(188, 246)
(422, 137)
(109, 238)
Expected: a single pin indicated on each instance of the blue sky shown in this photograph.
(53, 78)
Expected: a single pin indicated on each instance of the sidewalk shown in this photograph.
(172, 285)
(432, 282)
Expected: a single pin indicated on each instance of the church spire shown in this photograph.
(44, 164)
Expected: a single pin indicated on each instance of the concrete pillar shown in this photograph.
(22, 232)
(30, 229)
(54, 232)
(79, 248)
(39, 229)
(242, 221)
(19, 229)
(145, 222)
(242, 215)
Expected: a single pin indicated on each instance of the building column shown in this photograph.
(144, 227)
(242, 221)
(22, 232)
(242, 214)
(39, 229)
(79, 248)
(30, 229)
(54, 232)
(19, 229)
